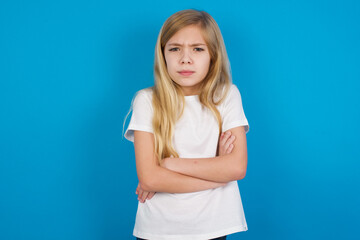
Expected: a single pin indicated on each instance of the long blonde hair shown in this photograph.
(168, 98)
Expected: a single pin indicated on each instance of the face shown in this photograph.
(187, 59)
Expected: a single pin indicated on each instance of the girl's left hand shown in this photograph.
(143, 195)
(226, 143)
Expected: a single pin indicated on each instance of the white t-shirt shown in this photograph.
(199, 215)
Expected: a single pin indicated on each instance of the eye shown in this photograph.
(198, 49)
(174, 49)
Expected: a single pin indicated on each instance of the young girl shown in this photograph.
(187, 167)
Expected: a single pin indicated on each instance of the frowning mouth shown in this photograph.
(186, 73)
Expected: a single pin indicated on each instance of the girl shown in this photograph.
(175, 127)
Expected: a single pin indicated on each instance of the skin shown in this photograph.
(187, 51)
(151, 175)
(225, 146)
(226, 168)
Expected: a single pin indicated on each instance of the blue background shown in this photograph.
(69, 70)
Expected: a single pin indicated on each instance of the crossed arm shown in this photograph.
(178, 175)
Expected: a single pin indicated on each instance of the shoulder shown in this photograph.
(231, 93)
(234, 90)
(142, 101)
(231, 100)
(143, 96)
(144, 93)
(142, 110)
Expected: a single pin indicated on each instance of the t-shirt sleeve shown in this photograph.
(233, 113)
(142, 112)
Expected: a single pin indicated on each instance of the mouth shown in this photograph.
(186, 72)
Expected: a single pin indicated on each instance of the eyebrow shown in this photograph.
(191, 45)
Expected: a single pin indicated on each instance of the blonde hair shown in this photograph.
(168, 98)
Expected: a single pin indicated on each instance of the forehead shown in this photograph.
(188, 35)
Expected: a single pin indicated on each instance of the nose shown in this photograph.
(185, 57)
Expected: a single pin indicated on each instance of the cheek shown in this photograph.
(205, 65)
(170, 65)
(167, 63)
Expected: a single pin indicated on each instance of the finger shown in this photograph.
(141, 193)
(150, 195)
(137, 189)
(227, 134)
(229, 141)
(230, 148)
(144, 196)
(222, 143)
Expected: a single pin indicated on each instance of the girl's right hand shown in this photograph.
(226, 143)
(143, 195)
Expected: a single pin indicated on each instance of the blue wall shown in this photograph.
(69, 69)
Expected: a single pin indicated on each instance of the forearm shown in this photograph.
(159, 179)
(154, 178)
(219, 169)
(224, 168)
